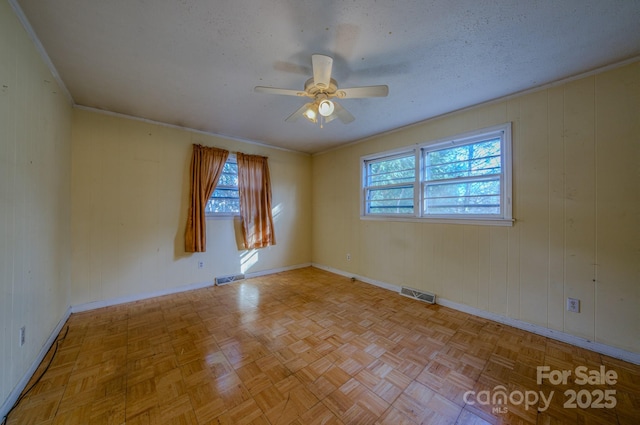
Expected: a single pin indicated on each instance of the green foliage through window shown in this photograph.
(390, 184)
(225, 199)
(463, 179)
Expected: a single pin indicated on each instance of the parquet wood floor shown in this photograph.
(308, 347)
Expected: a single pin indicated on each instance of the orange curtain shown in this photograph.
(206, 167)
(254, 185)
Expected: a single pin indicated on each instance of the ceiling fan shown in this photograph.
(322, 89)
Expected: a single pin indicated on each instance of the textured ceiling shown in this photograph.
(194, 63)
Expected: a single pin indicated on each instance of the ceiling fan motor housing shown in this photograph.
(315, 89)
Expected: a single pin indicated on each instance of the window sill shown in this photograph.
(468, 221)
(226, 216)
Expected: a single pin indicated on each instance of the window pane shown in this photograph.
(391, 171)
(471, 197)
(230, 167)
(476, 159)
(396, 200)
(228, 180)
(225, 198)
(223, 206)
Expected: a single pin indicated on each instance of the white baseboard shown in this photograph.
(598, 347)
(138, 297)
(384, 285)
(78, 308)
(20, 386)
(13, 396)
(278, 270)
(618, 353)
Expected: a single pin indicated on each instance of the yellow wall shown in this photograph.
(576, 201)
(35, 163)
(130, 190)
(93, 208)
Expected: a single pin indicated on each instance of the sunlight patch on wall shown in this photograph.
(276, 211)
(248, 259)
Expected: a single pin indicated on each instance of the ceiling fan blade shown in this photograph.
(367, 91)
(321, 70)
(339, 112)
(274, 90)
(291, 68)
(298, 113)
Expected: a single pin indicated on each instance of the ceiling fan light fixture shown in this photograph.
(311, 113)
(326, 107)
(321, 88)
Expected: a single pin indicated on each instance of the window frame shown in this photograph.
(225, 214)
(421, 150)
(365, 189)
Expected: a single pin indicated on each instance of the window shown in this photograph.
(225, 200)
(389, 184)
(464, 178)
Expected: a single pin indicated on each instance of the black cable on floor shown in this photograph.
(27, 391)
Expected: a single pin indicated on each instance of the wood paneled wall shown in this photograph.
(576, 153)
(130, 196)
(35, 163)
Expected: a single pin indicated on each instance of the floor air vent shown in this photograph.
(418, 295)
(223, 280)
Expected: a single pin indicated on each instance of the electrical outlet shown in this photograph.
(573, 305)
(23, 331)
(348, 257)
(200, 264)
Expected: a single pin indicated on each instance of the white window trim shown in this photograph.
(506, 203)
(363, 179)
